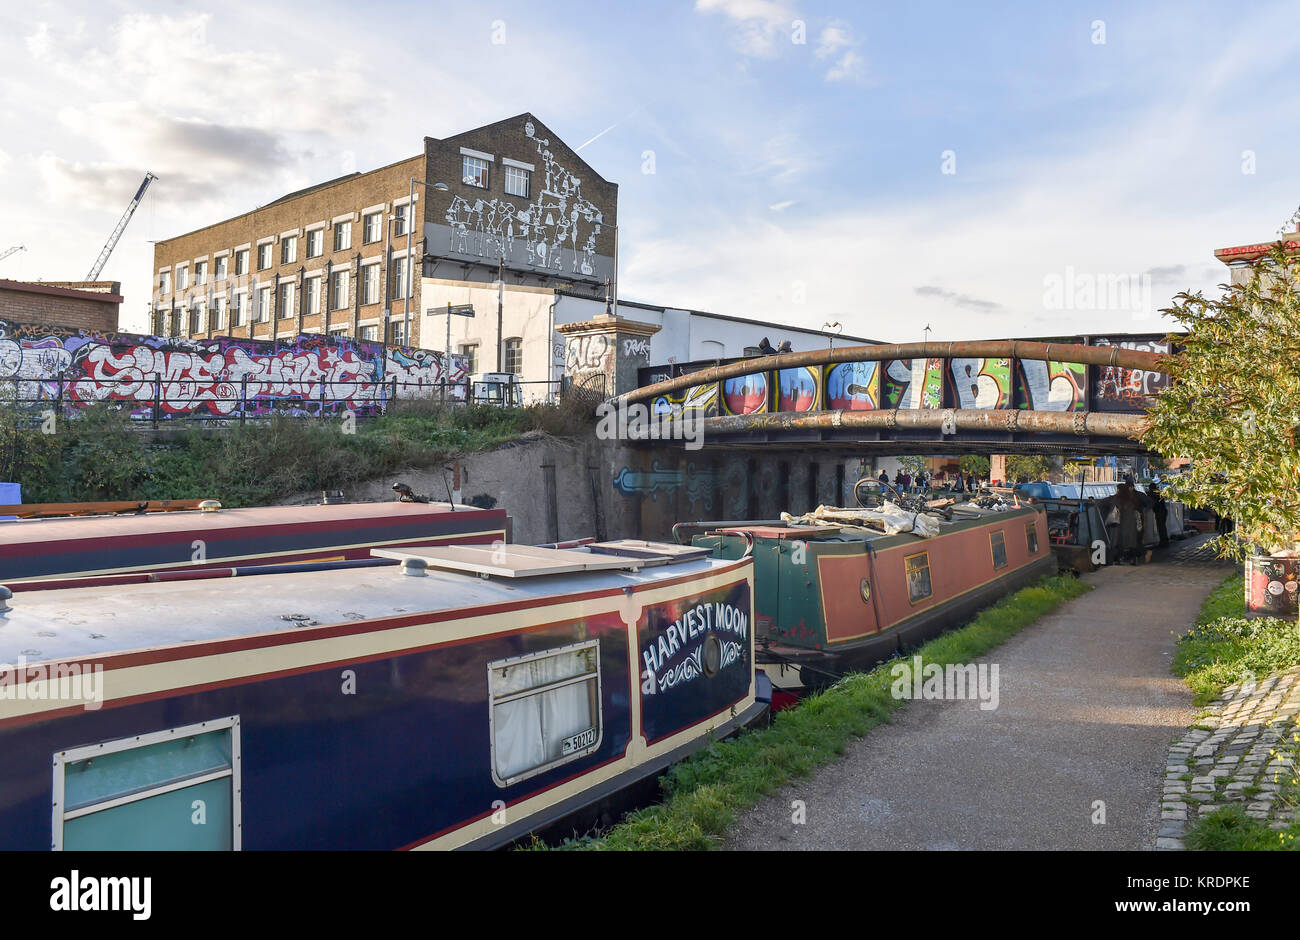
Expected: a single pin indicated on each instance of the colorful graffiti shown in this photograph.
(982, 383)
(745, 394)
(851, 386)
(168, 377)
(1119, 389)
(798, 389)
(914, 383)
(699, 485)
(1053, 386)
(701, 398)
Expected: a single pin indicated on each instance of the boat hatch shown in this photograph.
(510, 561)
(650, 552)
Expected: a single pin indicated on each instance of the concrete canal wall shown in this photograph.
(558, 489)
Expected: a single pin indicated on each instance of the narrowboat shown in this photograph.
(836, 599)
(431, 698)
(48, 550)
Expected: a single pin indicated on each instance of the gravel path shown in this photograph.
(1087, 712)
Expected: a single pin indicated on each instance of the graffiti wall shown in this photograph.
(217, 378)
(914, 383)
(1053, 386)
(1116, 389)
(852, 386)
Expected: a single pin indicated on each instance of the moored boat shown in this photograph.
(52, 549)
(834, 599)
(458, 696)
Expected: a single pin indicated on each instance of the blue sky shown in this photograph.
(800, 181)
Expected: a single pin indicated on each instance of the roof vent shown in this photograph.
(5, 594)
(331, 497)
(210, 505)
(415, 567)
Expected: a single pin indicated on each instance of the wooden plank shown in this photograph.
(103, 508)
(512, 561)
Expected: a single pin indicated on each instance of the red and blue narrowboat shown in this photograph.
(835, 599)
(459, 696)
(142, 544)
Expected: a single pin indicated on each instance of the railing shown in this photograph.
(158, 401)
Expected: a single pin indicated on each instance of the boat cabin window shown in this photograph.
(998, 543)
(545, 710)
(1031, 538)
(172, 790)
(918, 576)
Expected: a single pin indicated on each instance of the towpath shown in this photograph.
(1086, 713)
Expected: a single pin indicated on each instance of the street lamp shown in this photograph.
(410, 224)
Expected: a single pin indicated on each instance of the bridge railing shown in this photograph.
(1120, 376)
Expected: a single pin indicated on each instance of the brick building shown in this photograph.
(505, 200)
(87, 305)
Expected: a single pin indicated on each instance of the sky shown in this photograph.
(985, 170)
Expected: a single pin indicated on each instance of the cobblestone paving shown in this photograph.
(1194, 551)
(1225, 758)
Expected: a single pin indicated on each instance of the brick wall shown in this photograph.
(95, 308)
(380, 190)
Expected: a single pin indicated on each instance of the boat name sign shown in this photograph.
(693, 631)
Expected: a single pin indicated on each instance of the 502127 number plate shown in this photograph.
(578, 742)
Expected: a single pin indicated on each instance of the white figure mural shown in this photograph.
(559, 217)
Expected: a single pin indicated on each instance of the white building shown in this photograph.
(533, 349)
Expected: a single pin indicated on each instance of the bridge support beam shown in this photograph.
(944, 420)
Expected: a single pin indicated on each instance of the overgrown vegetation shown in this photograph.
(703, 793)
(1224, 647)
(1032, 467)
(102, 455)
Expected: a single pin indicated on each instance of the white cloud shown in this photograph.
(38, 43)
(759, 22)
(782, 206)
(837, 43)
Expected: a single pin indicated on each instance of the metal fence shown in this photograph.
(158, 401)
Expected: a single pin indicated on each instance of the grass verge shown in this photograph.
(703, 793)
(1224, 648)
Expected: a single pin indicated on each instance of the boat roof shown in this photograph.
(81, 622)
(964, 515)
(24, 531)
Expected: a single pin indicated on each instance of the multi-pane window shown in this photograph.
(339, 331)
(200, 273)
(289, 249)
(312, 286)
(263, 256)
(263, 304)
(917, 568)
(342, 236)
(182, 277)
(196, 319)
(218, 313)
(998, 545)
(241, 263)
(399, 220)
(1031, 539)
(545, 710)
(516, 181)
(315, 243)
(237, 310)
(286, 299)
(514, 355)
(219, 268)
(339, 290)
(145, 792)
(474, 172)
(370, 284)
(370, 334)
(470, 352)
(165, 282)
(397, 332)
(397, 290)
(373, 227)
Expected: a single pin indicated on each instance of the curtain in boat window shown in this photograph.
(535, 713)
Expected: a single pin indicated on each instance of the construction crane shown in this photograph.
(9, 251)
(121, 227)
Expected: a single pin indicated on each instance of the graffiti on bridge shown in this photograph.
(218, 378)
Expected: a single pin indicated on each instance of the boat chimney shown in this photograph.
(210, 505)
(332, 497)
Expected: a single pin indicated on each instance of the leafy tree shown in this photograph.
(1031, 468)
(976, 465)
(1234, 404)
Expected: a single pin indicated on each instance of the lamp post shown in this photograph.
(410, 225)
